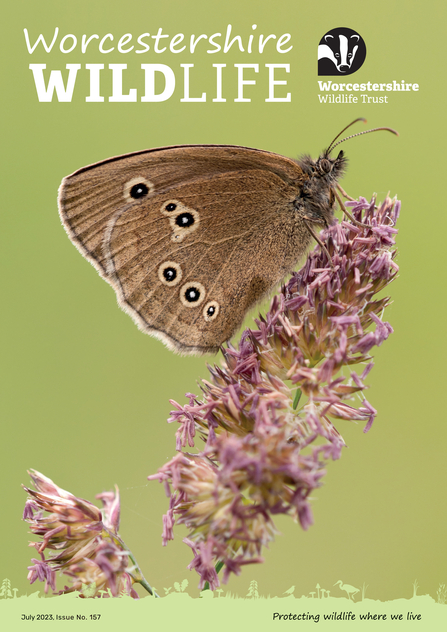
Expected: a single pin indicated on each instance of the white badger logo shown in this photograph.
(341, 51)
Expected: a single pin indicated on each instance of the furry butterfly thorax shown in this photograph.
(192, 236)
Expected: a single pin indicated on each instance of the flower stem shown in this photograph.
(147, 586)
(136, 573)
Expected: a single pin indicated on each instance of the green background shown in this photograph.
(86, 395)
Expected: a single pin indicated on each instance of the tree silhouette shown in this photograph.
(5, 590)
(253, 590)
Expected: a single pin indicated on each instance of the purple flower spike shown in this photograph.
(266, 414)
(83, 544)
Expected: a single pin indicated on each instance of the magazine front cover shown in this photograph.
(225, 216)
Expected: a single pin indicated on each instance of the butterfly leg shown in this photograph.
(344, 194)
(347, 213)
(307, 224)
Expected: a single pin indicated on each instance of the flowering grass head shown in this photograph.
(82, 540)
(267, 414)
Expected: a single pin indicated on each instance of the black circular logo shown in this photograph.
(341, 51)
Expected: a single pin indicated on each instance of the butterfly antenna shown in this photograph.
(344, 130)
(376, 129)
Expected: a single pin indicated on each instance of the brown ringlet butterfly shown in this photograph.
(192, 236)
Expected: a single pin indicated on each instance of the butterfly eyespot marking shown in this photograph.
(169, 207)
(211, 311)
(137, 188)
(184, 220)
(192, 294)
(170, 273)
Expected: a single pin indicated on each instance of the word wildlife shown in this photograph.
(156, 74)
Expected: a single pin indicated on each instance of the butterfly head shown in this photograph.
(316, 197)
(332, 169)
(325, 168)
(318, 190)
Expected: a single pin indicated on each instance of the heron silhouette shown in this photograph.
(350, 590)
